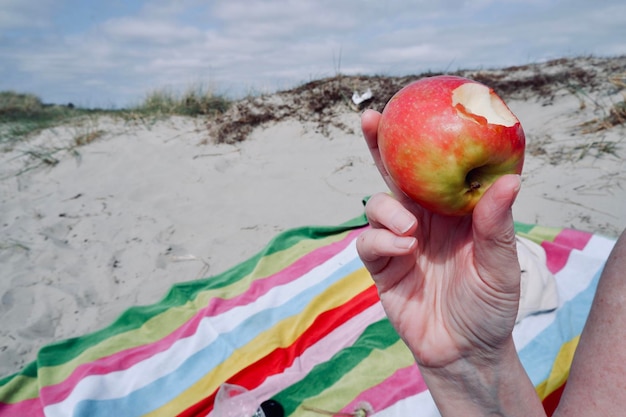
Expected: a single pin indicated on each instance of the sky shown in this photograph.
(112, 53)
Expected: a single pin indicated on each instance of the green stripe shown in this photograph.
(141, 325)
(372, 371)
(377, 336)
(18, 388)
(29, 371)
(523, 227)
(280, 248)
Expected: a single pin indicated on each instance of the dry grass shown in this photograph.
(88, 137)
(616, 114)
(321, 100)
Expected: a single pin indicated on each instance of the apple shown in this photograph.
(444, 140)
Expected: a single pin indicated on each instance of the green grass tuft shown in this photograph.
(196, 101)
(22, 115)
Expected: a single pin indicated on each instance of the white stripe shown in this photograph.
(571, 280)
(118, 384)
(421, 405)
(339, 338)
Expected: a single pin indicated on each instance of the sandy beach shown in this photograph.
(150, 203)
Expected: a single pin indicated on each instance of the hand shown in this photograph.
(449, 285)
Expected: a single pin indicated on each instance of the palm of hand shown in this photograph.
(436, 298)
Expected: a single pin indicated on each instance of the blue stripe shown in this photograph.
(539, 355)
(168, 387)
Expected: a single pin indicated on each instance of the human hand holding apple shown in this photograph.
(445, 140)
(449, 281)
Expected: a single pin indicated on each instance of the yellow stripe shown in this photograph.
(163, 324)
(20, 386)
(540, 234)
(560, 369)
(288, 330)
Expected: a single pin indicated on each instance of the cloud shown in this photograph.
(148, 31)
(24, 14)
(244, 46)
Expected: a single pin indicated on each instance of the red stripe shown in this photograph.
(281, 358)
(552, 400)
(127, 358)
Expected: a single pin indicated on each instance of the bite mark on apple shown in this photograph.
(480, 103)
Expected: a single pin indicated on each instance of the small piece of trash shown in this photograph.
(183, 258)
(360, 98)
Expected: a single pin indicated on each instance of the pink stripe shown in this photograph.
(559, 250)
(556, 255)
(31, 407)
(322, 351)
(573, 238)
(125, 359)
(404, 383)
(261, 286)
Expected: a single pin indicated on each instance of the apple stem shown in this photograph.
(474, 185)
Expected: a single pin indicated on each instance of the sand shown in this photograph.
(147, 204)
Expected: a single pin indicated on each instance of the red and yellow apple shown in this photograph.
(445, 139)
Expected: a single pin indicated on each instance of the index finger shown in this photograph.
(369, 125)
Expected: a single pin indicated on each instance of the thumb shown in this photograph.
(495, 253)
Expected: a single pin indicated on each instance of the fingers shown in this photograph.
(369, 126)
(385, 212)
(494, 233)
(390, 235)
(376, 247)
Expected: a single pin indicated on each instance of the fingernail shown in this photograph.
(402, 222)
(404, 242)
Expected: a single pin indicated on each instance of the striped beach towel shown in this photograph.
(300, 323)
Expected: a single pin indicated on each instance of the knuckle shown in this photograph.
(366, 245)
(378, 205)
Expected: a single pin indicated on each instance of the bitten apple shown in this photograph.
(445, 139)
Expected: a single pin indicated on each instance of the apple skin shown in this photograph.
(441, 154)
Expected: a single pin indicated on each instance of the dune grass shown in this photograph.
(196, 101)
(23, 114)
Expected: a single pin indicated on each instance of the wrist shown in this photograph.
(484, 385)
